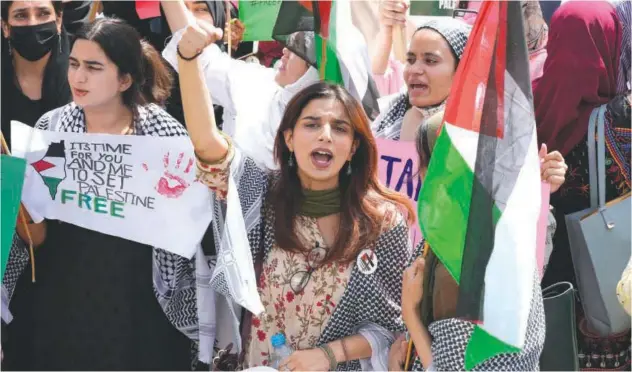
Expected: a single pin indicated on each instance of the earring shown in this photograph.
(290, 162)
(9, 44)
(59, 41)
(349, 168)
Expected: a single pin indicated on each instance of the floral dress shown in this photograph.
(338, 300)
(301, 316)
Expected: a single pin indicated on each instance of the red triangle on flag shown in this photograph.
(42, 165)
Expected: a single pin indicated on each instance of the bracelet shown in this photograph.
(333, 363)
(205, 166)
(185, 58)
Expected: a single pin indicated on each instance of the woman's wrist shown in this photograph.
(330, 355)
(411, 312)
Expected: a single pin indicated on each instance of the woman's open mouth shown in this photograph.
(322, 158)
(417, 89)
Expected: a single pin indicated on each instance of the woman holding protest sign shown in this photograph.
(94, 305)
(332, 241)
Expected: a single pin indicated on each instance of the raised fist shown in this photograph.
(198, 36)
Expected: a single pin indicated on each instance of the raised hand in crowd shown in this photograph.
(391, 13)
(209, 144)
(552, 168)
(235, 31)
(196, 37)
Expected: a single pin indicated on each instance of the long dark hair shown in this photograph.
(151, 80)
(361, 192)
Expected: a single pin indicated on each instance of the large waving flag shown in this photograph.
(340, 51)
(479, 205)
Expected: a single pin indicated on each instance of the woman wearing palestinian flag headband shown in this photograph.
(331, 240)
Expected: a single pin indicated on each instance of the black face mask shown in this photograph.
(33, 42)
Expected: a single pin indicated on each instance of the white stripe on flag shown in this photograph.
(510, 271)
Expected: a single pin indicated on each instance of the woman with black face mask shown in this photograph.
(35, 53)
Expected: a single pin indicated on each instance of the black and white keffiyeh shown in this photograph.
(454, 31)
(451, 336)
(174, 276)
(368, 299)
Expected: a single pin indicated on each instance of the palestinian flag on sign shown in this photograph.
(479, 206)
(52, 167)
(338, 48)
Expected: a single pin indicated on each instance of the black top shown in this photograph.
(92, 308)
(55, 89)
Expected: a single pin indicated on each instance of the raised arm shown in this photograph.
(392, 14)
(210, 146)
(178, 17)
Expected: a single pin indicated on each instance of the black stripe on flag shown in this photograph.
(479, 238)
(294, 17)
(499, 159)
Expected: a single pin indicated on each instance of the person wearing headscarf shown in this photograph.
(253, 97)
(536, 32)
(432, 59)
(582, 72)
(591, 35)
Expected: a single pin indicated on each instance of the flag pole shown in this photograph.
(410, 342)
(323, 59)
(230, 29)
(5, 149)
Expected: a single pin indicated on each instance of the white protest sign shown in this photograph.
(140, 188)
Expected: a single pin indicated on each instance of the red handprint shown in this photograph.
(170, 184)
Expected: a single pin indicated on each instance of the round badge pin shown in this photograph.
(367, 262)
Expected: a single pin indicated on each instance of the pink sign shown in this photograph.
(397, 170)
(543, 222)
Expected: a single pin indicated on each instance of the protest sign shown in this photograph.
(140, 188)
(11, 181)
(397, 170)
(434, 8)
(259, 18)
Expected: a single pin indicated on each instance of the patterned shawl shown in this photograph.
(178, 290)
(369, 299)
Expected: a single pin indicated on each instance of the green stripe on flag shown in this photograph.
(444, 203)
(259, 18)
(483, 346)
(52, 184)
(11, 182)
(333, 73)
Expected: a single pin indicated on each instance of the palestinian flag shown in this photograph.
(338, 49)
(479, 206)
(52, 167)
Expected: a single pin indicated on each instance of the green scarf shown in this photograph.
(320, 203)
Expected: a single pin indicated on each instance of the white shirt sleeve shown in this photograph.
(380, 340)
(225, 77)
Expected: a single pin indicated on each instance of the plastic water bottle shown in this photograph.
(280, 350)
